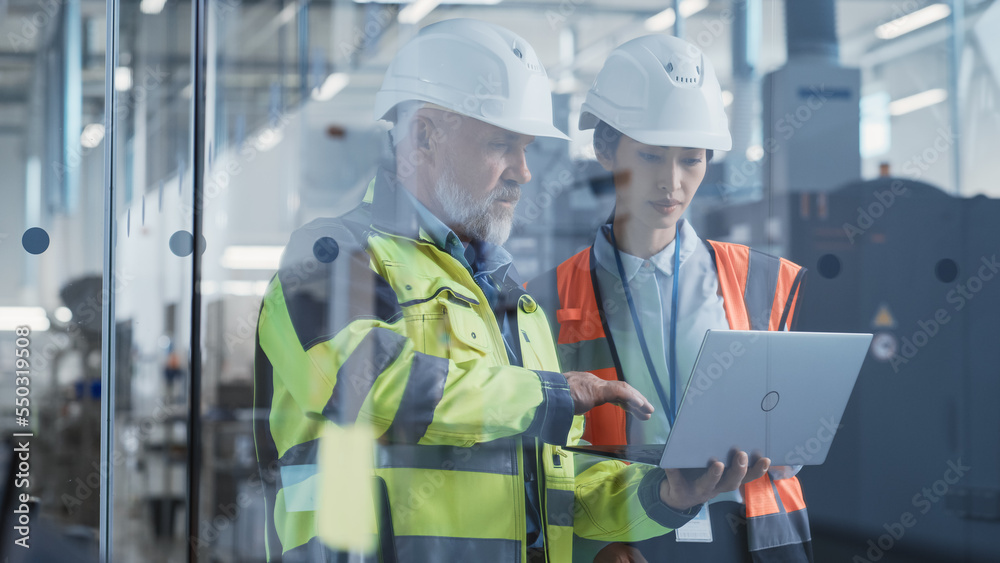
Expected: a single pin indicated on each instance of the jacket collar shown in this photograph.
(393, 208)
(662, 260)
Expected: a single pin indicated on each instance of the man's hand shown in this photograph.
(683, 489)
(588, 391)
(619, 553)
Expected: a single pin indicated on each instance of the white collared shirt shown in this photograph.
(700, 307)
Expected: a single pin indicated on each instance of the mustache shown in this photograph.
(507, 191)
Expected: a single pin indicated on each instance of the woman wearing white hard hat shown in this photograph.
(635, 306)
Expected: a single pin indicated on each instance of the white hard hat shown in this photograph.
(473, 68)
(659, 90)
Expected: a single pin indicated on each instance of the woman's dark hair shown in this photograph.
(606, 139)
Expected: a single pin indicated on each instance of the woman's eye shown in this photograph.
(649, 157)
(692, 161)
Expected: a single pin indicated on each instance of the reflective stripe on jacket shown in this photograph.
(367, 322)
(760, 293)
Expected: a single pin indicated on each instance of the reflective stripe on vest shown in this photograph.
(759, 293)
(582, 330)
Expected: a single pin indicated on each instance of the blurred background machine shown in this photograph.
(919, 269)
(916, 455)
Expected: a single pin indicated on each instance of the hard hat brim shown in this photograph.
(587, 121)
(658, 138)
(531, 127)
(687, 139)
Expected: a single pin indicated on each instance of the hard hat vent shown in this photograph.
(685, 72)
(524, 55)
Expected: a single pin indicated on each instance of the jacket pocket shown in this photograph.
(470, 335)
(442, 321)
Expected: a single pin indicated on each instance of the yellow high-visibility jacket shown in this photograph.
(368, 322)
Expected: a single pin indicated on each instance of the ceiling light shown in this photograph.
(661, 21)
(876, 125)
(92, 135)
(287, 13)
(755, 153)
(665, 19)
(252, 257)
(692, 7)
(466, 2)
(151, 6)
(32, 317)
(416, 11)
(912, 21)
(924, 99)
(267, 139)
(244, 287)
(727, 98)
(331, 86)
(63, 314)
(123, 79)
(208, 287)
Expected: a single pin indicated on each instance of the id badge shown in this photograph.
(699, 529)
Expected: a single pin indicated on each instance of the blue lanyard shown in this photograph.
(671, 405)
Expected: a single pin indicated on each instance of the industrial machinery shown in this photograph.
(913, 473)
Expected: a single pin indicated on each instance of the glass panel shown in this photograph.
(153, 203)
(829, 157)
(255, 56)
(51, 301)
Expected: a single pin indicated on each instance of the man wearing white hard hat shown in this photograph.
(405, 317)
(654, 287)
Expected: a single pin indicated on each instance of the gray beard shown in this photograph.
(475, 217)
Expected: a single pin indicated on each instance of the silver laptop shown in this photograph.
(776, 394)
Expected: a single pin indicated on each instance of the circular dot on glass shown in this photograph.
(326, 250)
(182, 243)
(946, 270)
(35, 240)
(828, 266)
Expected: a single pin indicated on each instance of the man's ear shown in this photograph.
(423, 135)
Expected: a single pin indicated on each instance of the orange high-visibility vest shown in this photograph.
(759, 293)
